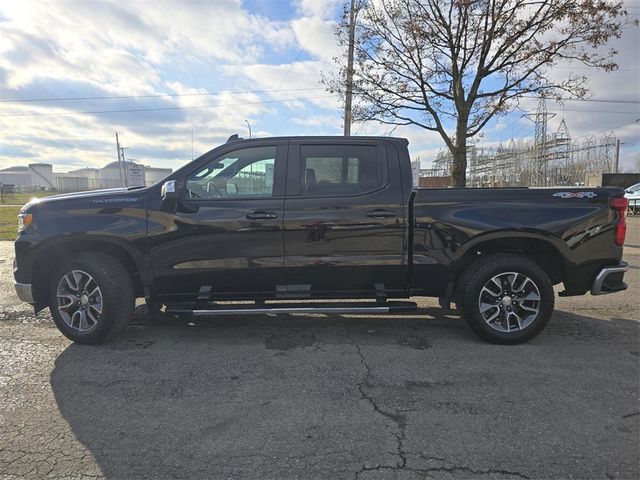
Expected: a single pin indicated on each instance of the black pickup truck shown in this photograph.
(291, 223)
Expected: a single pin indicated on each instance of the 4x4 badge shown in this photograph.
(575, 194)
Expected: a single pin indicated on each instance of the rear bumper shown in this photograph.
(25, 292)
(610, 279)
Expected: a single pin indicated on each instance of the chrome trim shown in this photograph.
(596, 289)
(253, 311)
(24, 291)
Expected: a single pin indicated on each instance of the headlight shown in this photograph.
(24, 220)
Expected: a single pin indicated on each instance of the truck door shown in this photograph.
(225, 239)
(344, 220)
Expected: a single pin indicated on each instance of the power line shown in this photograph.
(160, 95)
(609, 129)
(592, 100)
(302, 47)
(592, 111)
(584, 67)
(136, 110)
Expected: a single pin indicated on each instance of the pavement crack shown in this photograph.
(450, 467)
(398, 419)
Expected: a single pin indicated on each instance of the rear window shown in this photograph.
(337, 170)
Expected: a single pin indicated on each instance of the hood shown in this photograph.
(108, 196)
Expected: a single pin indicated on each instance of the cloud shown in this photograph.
(316, 36)
(317, 8)
(320, 121)
(301, 78)
(74, 48)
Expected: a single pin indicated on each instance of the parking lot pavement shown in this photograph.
(278, 397)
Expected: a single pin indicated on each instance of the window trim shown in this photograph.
(294, 171)
(279, 174)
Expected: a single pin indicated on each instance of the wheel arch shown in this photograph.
(53, 254)
(546, 252)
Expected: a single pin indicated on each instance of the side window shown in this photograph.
(242, 173)
(335, 170)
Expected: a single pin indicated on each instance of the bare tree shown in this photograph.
(452, 66)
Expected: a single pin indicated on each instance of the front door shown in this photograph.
(344, 221)
(225, 240)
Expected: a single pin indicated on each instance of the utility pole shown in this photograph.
(119, 167)
(617, 155)
(124, 165)
(349, 89)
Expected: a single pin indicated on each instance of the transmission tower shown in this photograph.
(539, 172)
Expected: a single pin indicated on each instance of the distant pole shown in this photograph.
(248, 125)
(349, 89)
(192, 144)
(124, 164)
(617, 155)
(119, 166)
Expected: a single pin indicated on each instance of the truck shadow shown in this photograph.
(242, 397)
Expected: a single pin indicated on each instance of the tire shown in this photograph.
(514, 313)
(106, 307)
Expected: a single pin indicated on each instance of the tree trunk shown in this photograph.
(459, 165)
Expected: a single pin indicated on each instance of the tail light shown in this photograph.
(620, 204)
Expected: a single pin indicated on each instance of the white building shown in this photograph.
(153, 175)
(40, 176)
(35, 175)
(112, 175)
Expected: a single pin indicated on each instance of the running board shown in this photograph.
(246, 309)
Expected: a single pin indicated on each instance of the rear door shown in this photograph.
(344, 227)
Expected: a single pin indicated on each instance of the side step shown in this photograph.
(333, 307)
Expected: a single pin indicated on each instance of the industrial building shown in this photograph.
(37, 176)
(40, 176)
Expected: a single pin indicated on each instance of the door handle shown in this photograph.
(381, 213)
(262, 215)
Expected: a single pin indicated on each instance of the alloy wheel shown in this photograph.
(79, 300)
(509, 302)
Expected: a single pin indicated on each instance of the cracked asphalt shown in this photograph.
(324, 397)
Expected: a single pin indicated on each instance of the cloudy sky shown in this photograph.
(207, 67)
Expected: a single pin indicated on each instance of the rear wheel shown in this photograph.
(91, 297)
(506, 299)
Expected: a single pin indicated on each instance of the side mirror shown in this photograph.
(169, 196)
(168, 191)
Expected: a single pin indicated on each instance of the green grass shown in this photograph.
(22, 198)
(8, 222)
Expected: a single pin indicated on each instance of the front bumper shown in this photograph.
(25, 292)
(610, 279)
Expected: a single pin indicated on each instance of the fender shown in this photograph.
(75, 241)
(506, 234)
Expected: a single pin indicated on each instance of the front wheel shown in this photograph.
(91, 297)
(506, 299)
